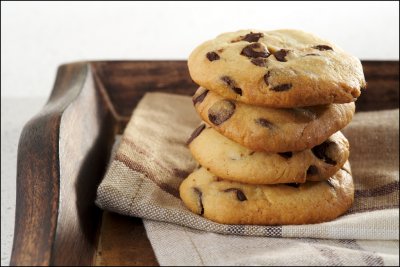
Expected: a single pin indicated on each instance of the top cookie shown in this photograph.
(282, 68)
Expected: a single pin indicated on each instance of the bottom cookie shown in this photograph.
(229, 202)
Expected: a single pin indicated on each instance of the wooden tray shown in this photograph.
(63, 152)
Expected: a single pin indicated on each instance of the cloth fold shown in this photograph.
(152, 159)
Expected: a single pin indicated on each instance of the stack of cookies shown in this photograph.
(270, 150)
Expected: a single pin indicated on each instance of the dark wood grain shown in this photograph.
(56, 220)
(383, 86)
(123, 242)
(127, 81)
(86, 135)
(63, 152)
(38, 175)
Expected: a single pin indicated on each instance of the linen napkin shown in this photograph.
(176, 245)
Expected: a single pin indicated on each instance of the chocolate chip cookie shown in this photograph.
(228, 202)
(229, 160)
(271, 129)
(282, 68)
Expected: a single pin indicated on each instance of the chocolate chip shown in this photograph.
(231, 84)
(228, 81)
(312, 170)
(255, 50)
(199, 194)
(281, 54)
(212, 56)
(196, 133)
(266, 77)
(330, 183)
(237, 90)
(296, 185)
(239, 193)
(221, 111)
(282, 87)
(278, 88)
(252, 37)
(265, 123)
(200, 98)
(323, 47)
(330, 161)
(251, 153)
(286, 155)
(320, 152)
(258, 61)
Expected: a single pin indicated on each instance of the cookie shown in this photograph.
(232, 161)
(271, 129)
(228, 202)
(282, 68)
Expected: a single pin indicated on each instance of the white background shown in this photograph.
(37, 37)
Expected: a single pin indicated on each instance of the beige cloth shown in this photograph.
(176, 245)
(152, 160)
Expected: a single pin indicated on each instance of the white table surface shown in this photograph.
(15, 112)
